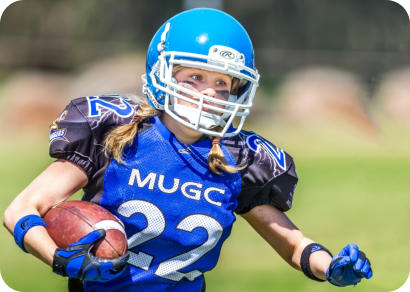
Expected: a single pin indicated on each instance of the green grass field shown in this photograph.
(350, 190)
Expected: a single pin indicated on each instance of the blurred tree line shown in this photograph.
(367, 37)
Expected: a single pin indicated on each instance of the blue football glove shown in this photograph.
(348, 267)
(76, 261)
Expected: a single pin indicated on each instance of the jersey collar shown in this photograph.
(203, 142)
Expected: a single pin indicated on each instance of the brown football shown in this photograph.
(69, 221)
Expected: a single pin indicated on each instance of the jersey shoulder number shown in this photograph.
(257, 144)
(97, 105)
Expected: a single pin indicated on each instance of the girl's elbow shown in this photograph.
(7, 219)
(13, 213)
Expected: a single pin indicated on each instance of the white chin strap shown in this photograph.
(207, 120)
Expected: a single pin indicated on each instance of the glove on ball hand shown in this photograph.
(348, 267)
(76, 261)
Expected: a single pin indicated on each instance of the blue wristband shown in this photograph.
(24, 225)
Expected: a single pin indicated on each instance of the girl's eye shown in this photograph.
(220, 82)
(196, 77)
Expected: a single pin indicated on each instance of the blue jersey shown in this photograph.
(176, 212)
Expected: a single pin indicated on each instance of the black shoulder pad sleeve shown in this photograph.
(270, 176)
(78, 134)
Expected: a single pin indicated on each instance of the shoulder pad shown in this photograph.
(270, 176)
(78, 133)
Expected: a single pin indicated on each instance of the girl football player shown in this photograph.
(175, 170)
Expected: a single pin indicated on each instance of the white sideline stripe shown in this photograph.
(109, 224)
(4, 287)
(405, 287)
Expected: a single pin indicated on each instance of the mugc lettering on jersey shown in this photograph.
(190, 190)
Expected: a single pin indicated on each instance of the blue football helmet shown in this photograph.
(207, 39)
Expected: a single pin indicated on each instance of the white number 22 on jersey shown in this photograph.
(169, 268)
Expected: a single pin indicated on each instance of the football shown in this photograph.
(69, 221)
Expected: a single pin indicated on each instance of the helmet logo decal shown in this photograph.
(227, 54)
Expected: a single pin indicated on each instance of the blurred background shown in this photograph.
(334, 93)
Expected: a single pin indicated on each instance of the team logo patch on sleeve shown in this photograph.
(55, 132)
(256, 143)
(58, 134)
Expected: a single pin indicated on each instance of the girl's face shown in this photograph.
(209, 83)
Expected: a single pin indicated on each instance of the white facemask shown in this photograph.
(218, 117)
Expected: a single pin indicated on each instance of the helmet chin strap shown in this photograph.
(207, 120)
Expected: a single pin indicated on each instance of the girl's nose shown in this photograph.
(209, 92)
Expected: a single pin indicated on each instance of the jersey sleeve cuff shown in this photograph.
(77, 159)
